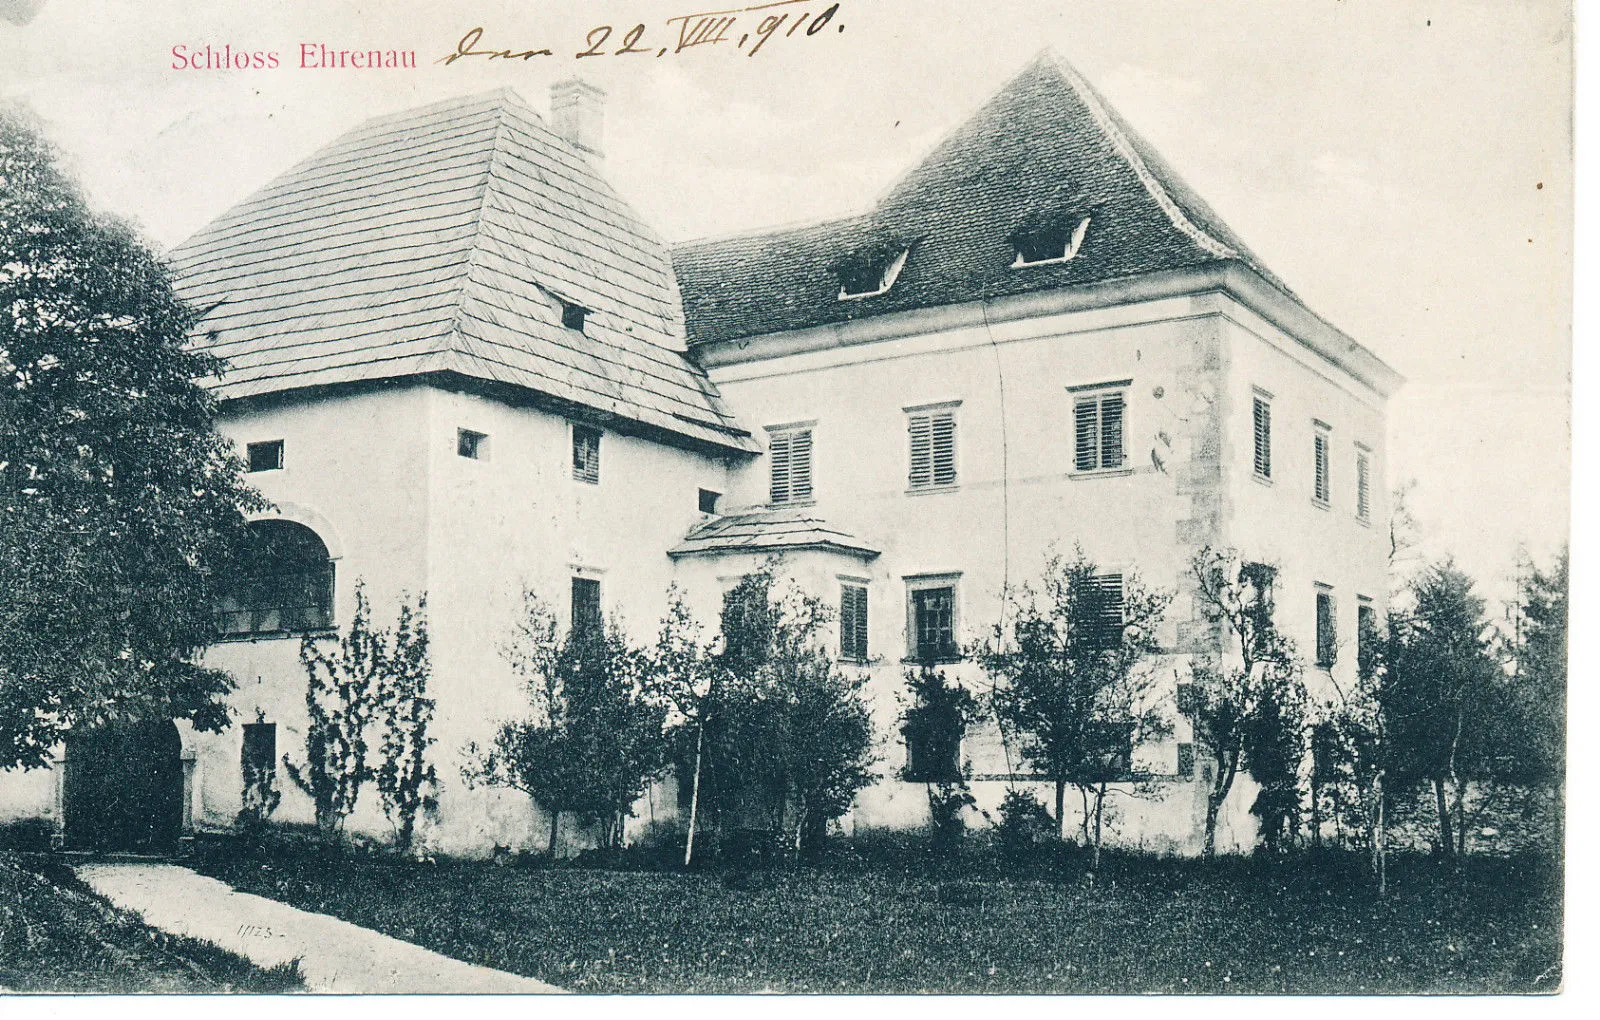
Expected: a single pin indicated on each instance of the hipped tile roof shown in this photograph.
(1047, 144)
(446, 239)
(777, 529)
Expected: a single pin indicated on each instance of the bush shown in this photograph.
(1024, 824)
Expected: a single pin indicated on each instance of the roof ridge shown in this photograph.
(457, 336)
(1110, 124)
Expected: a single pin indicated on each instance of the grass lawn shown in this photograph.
(57, 936)
(969, 926)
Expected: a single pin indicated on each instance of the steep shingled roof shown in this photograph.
(447, 239)
(777, 529)
(1046, 144)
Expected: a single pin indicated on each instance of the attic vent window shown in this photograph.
(871, 274)
(573, 316)
(1049, 243)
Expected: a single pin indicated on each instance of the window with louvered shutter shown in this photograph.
(853, 622)
(1319, 453)
(1363, 485)
(790, 453)
(1102, 611)
(1098, 432)
(586, 454)
(1327, 632)
(586, 618)
(933, 449)
(1263, 434)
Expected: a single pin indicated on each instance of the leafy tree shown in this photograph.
(341, 700)
(933, 721)
(120, 504)
(1070, 680)
(1444, 695)
(1541, 671)
(1240, 708)
(406, 780)
(683, 675)
(593, 741)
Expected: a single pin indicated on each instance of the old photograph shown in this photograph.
(809, 497)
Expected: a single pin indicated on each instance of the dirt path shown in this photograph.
(335, 956)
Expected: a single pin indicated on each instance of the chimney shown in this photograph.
(577, 108)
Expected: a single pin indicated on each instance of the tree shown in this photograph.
(1070, 680)
(120, 504)
(1443, 694)
(406, 780)
(593, 740)
(1242, 709)
(1541, 670)
(683, 676)
(341, 700)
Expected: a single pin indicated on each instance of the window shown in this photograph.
(265, 456)
(871, 273)
(1101, 611)
(1186, 761)
(1319, 453)
(1327, 629)
(1263, 437)
(708, 501)
(586, 454)
(933, 743)
(573, 316)
(1363, 484)
(1258, 579)
(258, 756)
(283, 582)
(586, 618)
(1049, 243)
(472, 445)
(932, 624)
(933, 447)
(1097, 428)
(1366, 633)
(853, 621)
(1111, 744)
(789, 448)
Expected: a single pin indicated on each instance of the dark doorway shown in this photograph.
(123, 788)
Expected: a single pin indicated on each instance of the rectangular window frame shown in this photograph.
(933, 434)
(916, 585)
(791, 462)
(471, 444)
(1327, 641)
(1261, 435)
(586, 453)
(585, 614)
(1366, 625)
(1090, 404)
(854, 619)
(1100, 637)
(1321, 464)
(270, 456)
(1363, 483)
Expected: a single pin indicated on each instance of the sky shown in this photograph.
(1405, 166)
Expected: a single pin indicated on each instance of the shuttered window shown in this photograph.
(1101, 611)
(1263, 435)
(853, 622)
(1097, 431)
(1363, 485)
(586, 618)
(1327, 630)
(1319, 453)
(790, 453)
(586, 454)
(933, 449)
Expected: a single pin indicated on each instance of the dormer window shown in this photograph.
(573, 316)
(870, 274)
(1049, 243)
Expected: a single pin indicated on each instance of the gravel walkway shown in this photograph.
(335, 956)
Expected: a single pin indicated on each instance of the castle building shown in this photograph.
(460, 364)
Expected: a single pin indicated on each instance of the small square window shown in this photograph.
(265, 456)
(573, 316)
(708, 501)
(586, 454)
(472, 445)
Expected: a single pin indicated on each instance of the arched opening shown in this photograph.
(122, 788)
(283, 583)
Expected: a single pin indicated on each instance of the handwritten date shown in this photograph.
(746, 30)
